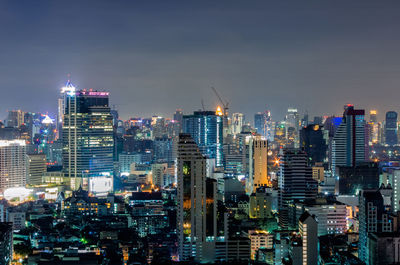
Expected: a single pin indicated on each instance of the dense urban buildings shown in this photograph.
(211, 136)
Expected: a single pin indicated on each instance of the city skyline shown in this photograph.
(156, 57)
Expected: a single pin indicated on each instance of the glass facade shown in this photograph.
(206, 129)
(87, 135)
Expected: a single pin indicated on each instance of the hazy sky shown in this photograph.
(156, 56)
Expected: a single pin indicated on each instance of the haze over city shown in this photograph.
(156, 56)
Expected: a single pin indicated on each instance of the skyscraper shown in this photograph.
(206, 129)
(314, 142)
(372, 219)
(260, 163)
(237, 122)
(308, 228)
(295, 182)
(263, 124)
(391, 128)
(292, 127)
(195, 197)
(88, 140)
(350, 144)
(12, 164)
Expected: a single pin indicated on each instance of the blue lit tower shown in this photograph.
(391, 128)
(206, 129)
(350, 142)
(87, 137)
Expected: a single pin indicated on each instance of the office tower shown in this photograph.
(6, 243)
(373, 128)
(12, 164)
(373, 116)
(263, 124)
(88, 141)
(237, 122)
(349, 146)
(178, 116)
(159, 129)
(295, 182)
(163, 149)
(66, 90)
(260, 163)
(313, 140)
(15, 118)
(372, 219)
(206, 129)
(36, 168)
(391, 128)
(292, 126)
(194, 200)
(308, 228)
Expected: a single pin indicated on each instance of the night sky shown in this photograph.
(156, 56)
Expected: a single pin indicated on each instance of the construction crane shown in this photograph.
(225, 104)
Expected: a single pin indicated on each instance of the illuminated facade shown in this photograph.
(196, 215)
(12, 164)
(260, 163)
(206, 129)
(308, 228)
(237, 122)
(350, 144)
(87, 135)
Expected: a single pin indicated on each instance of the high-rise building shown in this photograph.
(391, 128)
(313, 140)
(292, 127)
(263, 124)
(15, 118)
(295, 182)
(350, 144)
(206, 129)
(373, 128)
(36, 168)
(12, 164)
(196, 215)
(308, 228)
(372, 219)
(88, 141)
(260, 163)
(237, 122)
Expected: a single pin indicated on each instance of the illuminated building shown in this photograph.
(313, 140)
(264, 125)
(88, 141)
(12, 164)
(280, 133)
(350, 145)
(391, 128)
(237, 122)
(308, 228)
(374, 128)
(196, 215)
(260, 239)
(206, 129)
(15, 118)
(295, 182)
(260, 205)
(260, 163)
(292, 126)
(372, 219)
(36, 168)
